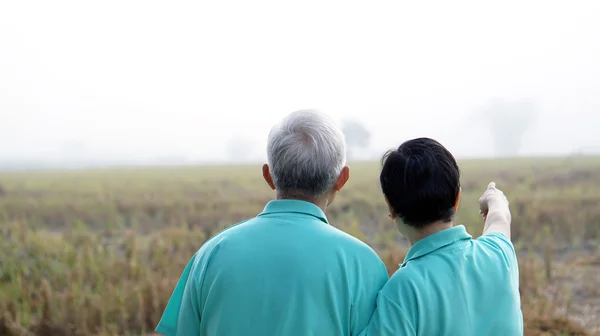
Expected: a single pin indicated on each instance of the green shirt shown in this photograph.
(451, 284)
(284, 272)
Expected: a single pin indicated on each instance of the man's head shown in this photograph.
(421, 183)
(306, 155)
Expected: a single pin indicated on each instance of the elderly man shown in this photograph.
(286, 271)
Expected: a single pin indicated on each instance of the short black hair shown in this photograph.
(421, 181)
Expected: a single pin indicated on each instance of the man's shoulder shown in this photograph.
(351, 243)
(228, 231)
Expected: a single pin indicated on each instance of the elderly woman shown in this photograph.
(285, 271)
(449, 283)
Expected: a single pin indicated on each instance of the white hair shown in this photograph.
(306, 152)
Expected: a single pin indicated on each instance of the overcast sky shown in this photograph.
(143, 78)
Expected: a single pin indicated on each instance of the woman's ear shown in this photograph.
(392, 214)
(457, 200)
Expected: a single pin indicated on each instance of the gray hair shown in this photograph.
(306, 152)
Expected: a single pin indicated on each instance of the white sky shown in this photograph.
(138, 78)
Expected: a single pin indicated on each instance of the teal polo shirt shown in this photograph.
(451, 284)
(284, 272)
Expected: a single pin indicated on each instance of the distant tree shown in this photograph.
(357, 136)
(241, 149)
(508, 122)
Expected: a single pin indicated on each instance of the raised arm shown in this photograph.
(493, 206)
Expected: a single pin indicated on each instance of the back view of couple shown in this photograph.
(288, 272)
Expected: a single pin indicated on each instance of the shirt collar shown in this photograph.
(436, 241)
(294, 206)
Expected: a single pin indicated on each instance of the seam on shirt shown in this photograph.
(400, 308)
(502, 237)
(199, 282)
(510, 258)
(209, 252)
(224, 230)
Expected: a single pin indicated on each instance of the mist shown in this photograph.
(191, 82)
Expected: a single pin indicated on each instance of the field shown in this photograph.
(98, 252)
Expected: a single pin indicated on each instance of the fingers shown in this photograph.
(493, 199)
(485, 198)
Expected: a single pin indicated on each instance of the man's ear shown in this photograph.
(342, 179)
(457, 200)
(267, 176)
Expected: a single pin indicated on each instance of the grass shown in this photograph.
(98, 252)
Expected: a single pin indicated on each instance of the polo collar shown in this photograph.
(294, 206)
(436, 241)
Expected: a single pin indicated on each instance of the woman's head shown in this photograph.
(421, 183)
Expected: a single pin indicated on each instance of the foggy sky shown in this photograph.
(145, 78)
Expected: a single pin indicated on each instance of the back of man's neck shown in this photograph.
(321, 203)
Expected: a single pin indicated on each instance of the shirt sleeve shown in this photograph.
(500, 241)
(182, 314)
(388, 319)
(363, 307)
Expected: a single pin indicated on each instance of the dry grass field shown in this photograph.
(98, 252)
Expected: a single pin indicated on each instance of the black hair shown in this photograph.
(421, 181)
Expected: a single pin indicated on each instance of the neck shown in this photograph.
(321, 202)
(414, 235)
